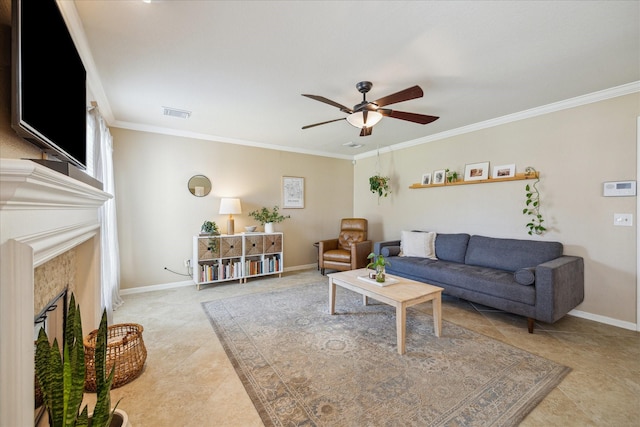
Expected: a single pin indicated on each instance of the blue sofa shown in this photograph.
(525, 277)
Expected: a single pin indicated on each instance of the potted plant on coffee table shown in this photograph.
(378, 263)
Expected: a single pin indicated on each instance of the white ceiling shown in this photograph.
(240, 67)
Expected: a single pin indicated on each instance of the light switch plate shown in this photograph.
(625, 220)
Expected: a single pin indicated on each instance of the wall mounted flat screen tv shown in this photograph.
(49, 98)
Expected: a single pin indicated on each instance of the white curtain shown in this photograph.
(101, 143)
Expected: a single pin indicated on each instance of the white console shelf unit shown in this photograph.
(236, 257)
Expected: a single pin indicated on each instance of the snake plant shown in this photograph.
(61, 376)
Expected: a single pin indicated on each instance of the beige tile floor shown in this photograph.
(188, 380)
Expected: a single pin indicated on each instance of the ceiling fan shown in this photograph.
(366, 114)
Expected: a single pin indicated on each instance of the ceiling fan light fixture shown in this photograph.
(357, 120)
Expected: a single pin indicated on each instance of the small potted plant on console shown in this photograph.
(267, 217)
(210, 228)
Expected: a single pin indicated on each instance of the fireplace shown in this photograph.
(43, 214)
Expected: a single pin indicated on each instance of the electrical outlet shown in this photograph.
(623, 219)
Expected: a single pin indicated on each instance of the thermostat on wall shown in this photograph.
(619, 188)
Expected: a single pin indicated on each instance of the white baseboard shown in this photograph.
(164, 286)
(151, 288)
(604, 319)
(300, 267)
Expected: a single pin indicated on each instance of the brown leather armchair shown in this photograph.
(350, 250)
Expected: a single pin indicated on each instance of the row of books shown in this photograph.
(267, 265)
(220, 271)
(234, 269)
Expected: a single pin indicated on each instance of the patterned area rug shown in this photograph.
(304, 367)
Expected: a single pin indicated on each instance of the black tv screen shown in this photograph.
(49, 82)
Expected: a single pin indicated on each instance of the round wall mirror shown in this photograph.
(199, 185)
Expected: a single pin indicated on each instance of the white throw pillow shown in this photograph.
(418, 244)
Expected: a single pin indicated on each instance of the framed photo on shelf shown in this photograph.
(292, 192)
(476, 171)
(439, 177)
(426, 179)
(504, 171)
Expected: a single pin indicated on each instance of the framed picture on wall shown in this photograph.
(426, 179)
(504, 171)
(292, 192)
(439, 176)
(476, 171)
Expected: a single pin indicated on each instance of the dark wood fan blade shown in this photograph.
(323, 123)
(410, 117)
(404, 95)
(366, 131)
(330, 102)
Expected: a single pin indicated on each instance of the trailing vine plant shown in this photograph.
(379, 184)
(532, 205)
(211, 228)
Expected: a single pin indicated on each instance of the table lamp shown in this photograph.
(230, 207)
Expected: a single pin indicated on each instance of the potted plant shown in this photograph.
(532, 205)
(211, 228)
(452, 176)
(61, 377)
(267, 217)
(379, 185)
(378, 263)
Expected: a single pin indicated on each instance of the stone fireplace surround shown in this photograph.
(43, 214)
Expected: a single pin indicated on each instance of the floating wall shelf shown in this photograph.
(517, 177)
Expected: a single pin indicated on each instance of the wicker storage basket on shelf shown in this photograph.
(125, 350)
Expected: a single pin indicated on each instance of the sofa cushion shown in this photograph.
(412, 266)
(451, 247)
(509, 254)
(418, 244)
(525, 276)
(489, 281)
(337, 255)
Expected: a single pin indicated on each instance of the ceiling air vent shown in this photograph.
(352, 144)
(174, 112)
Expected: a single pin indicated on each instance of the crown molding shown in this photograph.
(578, 101)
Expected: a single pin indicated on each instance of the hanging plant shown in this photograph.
(532, 205)
(379, 185)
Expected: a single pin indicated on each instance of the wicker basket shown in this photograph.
(125, 350)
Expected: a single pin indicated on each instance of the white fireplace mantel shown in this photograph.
(43, 214)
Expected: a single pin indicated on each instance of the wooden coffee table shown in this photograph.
(402, 293)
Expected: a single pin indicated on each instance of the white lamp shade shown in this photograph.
(230, 206)
(357, 119)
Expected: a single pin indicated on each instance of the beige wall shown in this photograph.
(11, 146)
(157, 215)
(575, 150)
